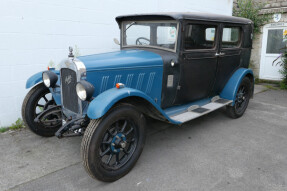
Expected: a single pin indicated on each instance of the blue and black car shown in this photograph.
(172, 67)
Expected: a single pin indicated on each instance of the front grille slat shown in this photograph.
(69, 94)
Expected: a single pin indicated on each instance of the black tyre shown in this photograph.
(38, 99)
(242, 99)
(112, 145)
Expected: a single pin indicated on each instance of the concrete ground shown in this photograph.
(213, 152)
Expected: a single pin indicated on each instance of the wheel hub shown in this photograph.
(241, 97)
(118, 143)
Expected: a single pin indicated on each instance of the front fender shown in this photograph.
(230, 89)
(37, 78)
(33, 80)
(103, 102)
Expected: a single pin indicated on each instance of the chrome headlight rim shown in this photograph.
(81, 92)
(49, 79)
(46, 79)
(85, 90)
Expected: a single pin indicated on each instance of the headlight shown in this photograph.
(50, 79)
(85, 90)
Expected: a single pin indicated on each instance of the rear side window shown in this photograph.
(231, 37)
(199, 36)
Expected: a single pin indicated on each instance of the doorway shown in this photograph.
(272, 44)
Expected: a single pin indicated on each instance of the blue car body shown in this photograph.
(172, 67)
(141, 71)
(169, 77)
(137, 69)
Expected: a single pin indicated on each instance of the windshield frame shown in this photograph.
(148, 46)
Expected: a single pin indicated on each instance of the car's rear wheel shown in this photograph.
(242, 99)
(112, 145)
(38, 99)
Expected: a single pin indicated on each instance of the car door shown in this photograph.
(198, 61)
(228, 55)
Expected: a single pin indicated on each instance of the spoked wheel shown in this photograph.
(36, 101)
(112, 144)
(118, 144)
(242, 99)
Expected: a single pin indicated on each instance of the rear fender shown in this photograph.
(104, 102)
(230, 89)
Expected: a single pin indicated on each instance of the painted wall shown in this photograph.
(36, 32)
(271, 7)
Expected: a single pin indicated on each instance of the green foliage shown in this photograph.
(77, 51)
(282, 61)
(257, 81)
(3, 129)
(17, 125)
(272, 87)
(51, 64)
(283, 86)
(283, 71)
(251, 10)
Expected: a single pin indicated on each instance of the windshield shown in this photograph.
(157, 34)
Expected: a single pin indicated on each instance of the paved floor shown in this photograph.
(213, 152)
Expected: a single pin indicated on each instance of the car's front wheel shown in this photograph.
(112, 145)
(242, 98)
(36, 101)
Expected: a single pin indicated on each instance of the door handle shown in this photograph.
(219, 54)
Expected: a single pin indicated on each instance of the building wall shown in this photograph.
(273, 4)
(271, 7)
(34, 33)
(257, 44)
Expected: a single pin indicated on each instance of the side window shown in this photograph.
(209, 34)
(231, 37)
(199, 36)
(166, 35)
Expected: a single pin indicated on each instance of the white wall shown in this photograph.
(34, 32)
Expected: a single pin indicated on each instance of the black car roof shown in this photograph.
(183, 16)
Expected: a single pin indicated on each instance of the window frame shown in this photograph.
(157, 29)
(211, 24)
(147, 46)
(241, 37)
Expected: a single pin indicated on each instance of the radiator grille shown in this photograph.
(69, 95)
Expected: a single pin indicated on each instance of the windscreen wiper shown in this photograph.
(130, 26)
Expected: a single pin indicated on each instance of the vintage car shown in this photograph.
(172, 67)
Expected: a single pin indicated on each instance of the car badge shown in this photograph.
(68, 79)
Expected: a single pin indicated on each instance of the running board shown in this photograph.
(196, 111)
